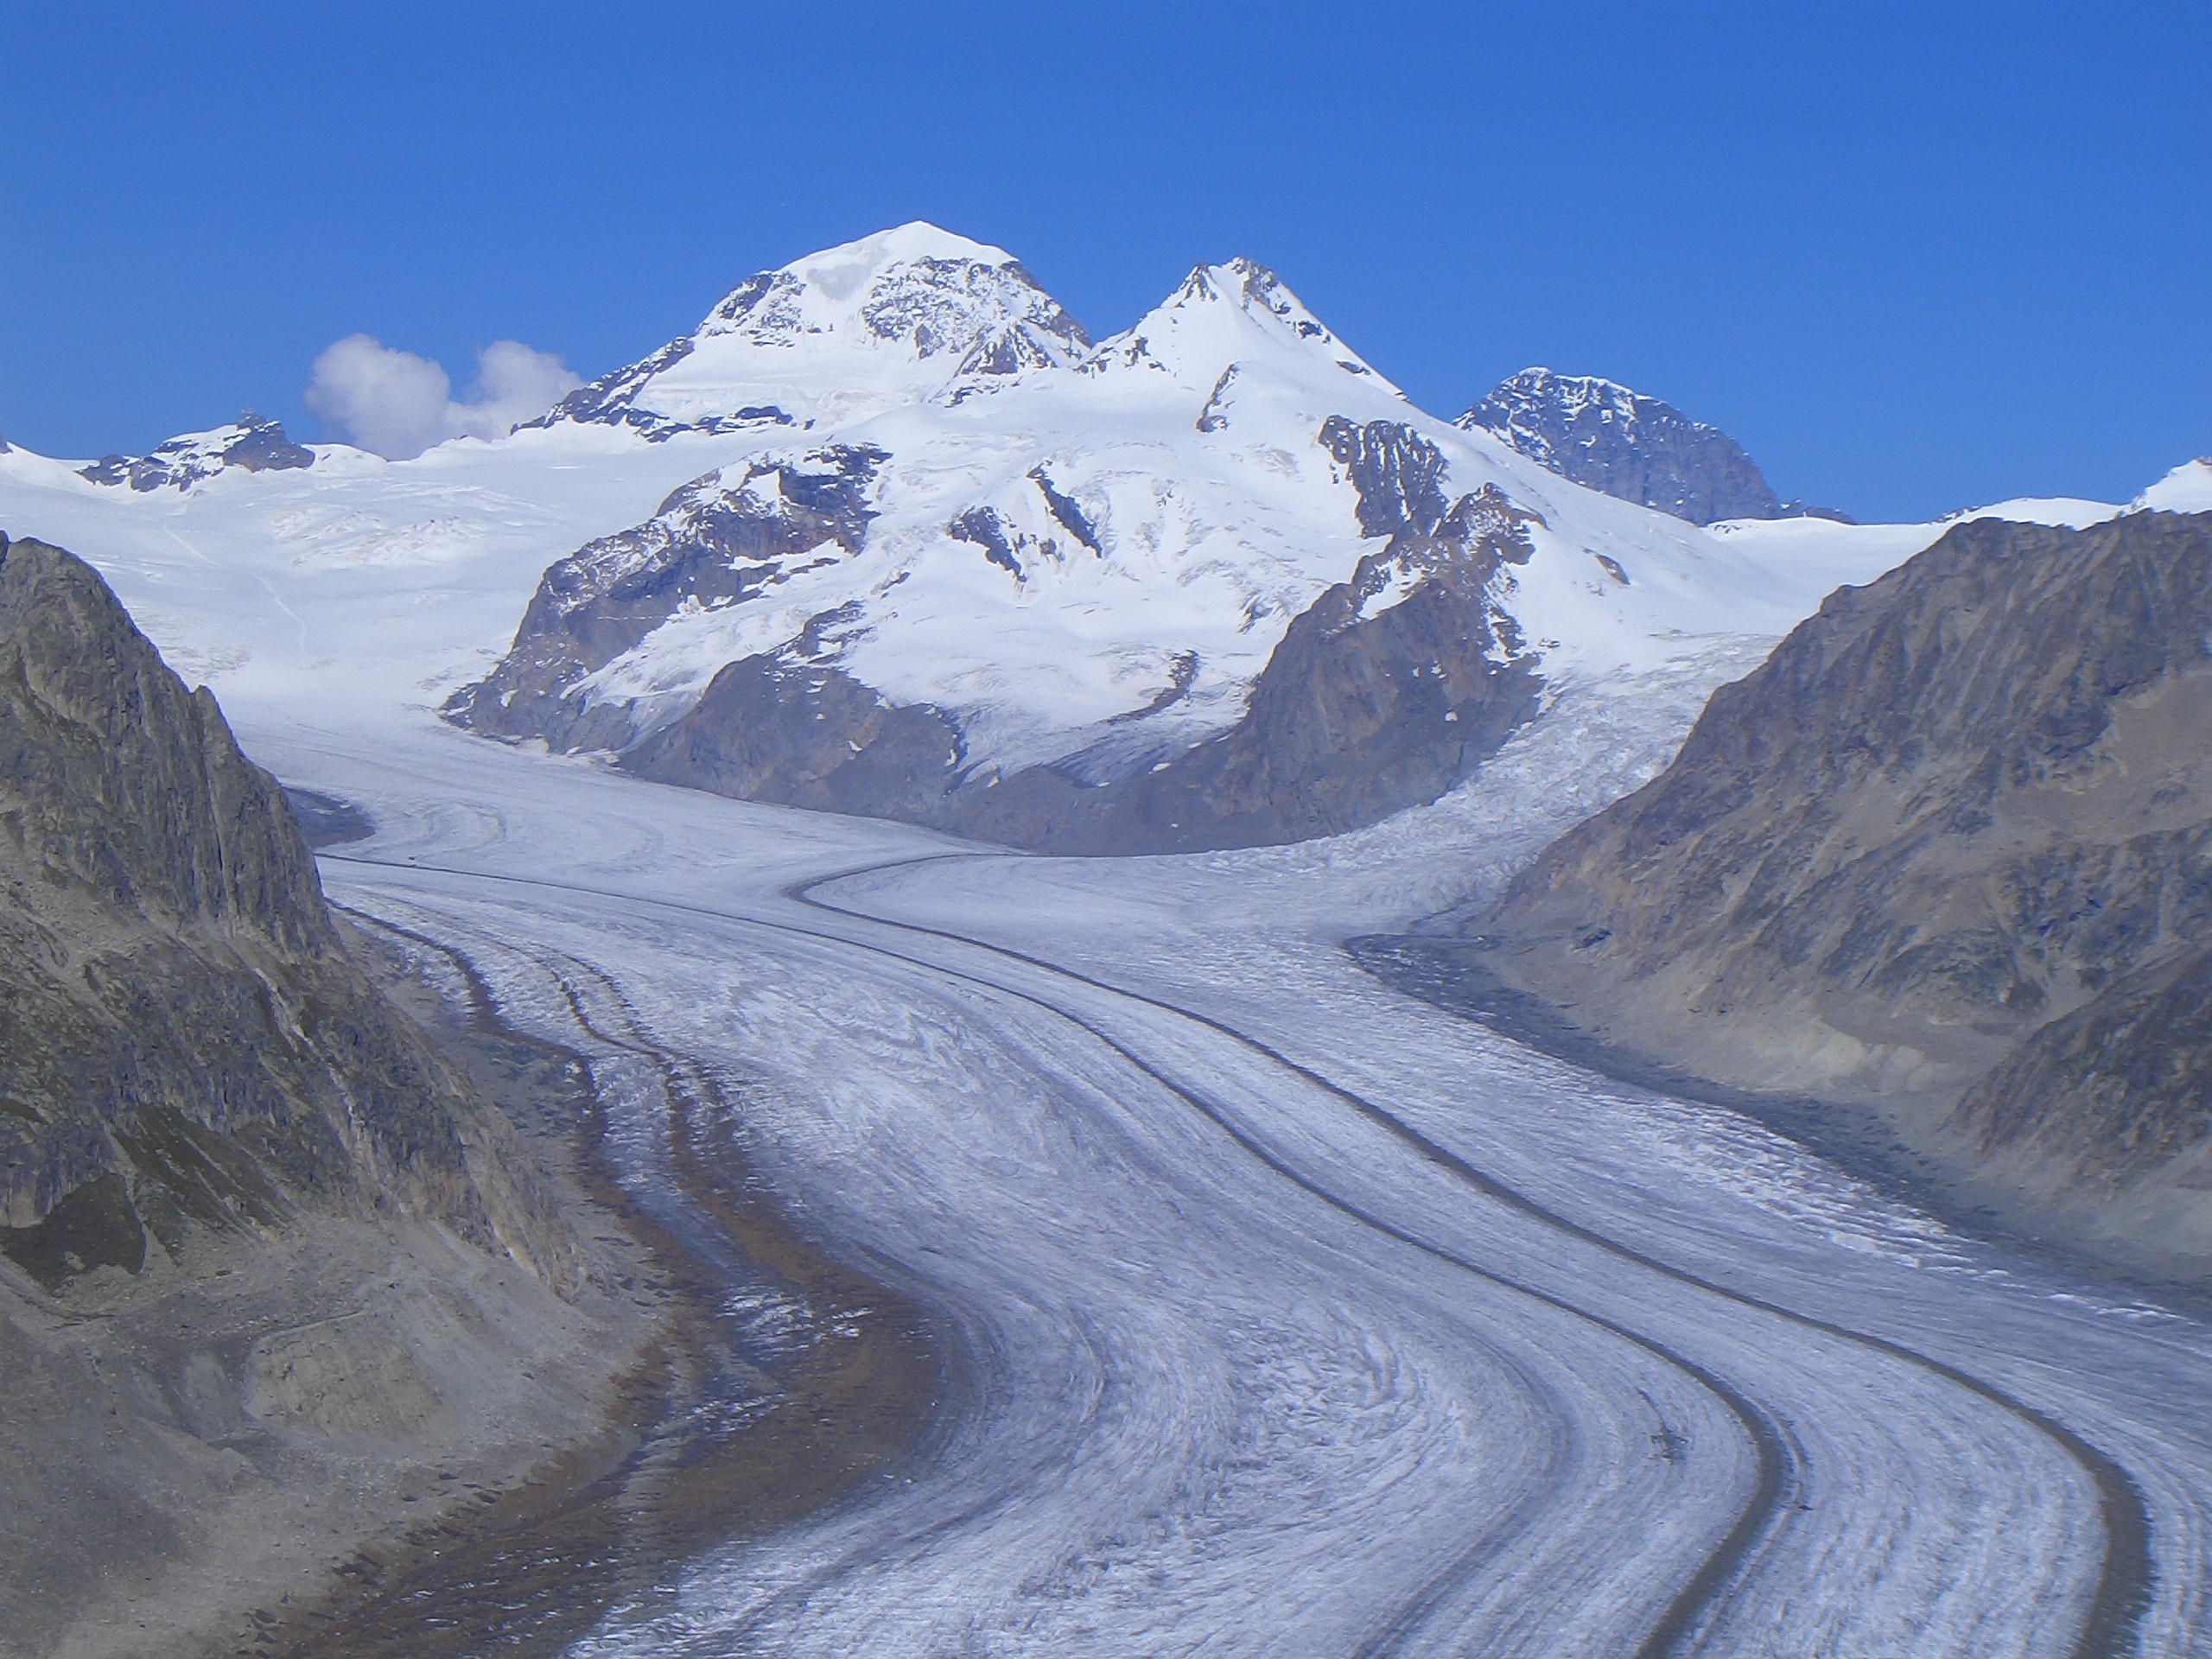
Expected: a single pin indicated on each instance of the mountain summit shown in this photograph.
(1607, 437)
(1203, 335)
(899, 317)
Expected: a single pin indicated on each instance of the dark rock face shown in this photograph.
(183, 1040)
(1609, 438)
(784, 728)
(982, 527)
(1950, 847)
(257, 445)
(1066, 512)
(2130, 1074)
(998, 318)
(717, 541)
(1362, 710)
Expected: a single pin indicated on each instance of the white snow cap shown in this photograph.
(2188, 488)
(919, 290)
(903, 316)
(849, 264)
(1226, 314)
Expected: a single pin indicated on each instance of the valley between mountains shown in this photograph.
(915, 770)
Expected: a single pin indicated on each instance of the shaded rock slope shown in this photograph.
(1606, 437)
(1946, 854)
(184, 1043)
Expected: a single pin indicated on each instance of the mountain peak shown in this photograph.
(902, 316)
(180, 462)
(903, 245)
(1222, 315)
(1251, 287)
(913, 290)
(1602, 434)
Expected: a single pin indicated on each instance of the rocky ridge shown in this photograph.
(185, 1046)
(1948, 856)
(248, 443)
(912, 313)
(1604, 435)
(719, 541)
(1386, 691)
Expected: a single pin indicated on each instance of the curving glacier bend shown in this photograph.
(1287, 1315)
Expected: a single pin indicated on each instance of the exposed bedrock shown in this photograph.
(1386, 691)
(249, 442)
(184, 1042)
(1949, 854)
(720, 540)
(780, 728)
(1362, 709)
(1610, 438)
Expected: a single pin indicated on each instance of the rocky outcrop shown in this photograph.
(1388, 689)
(1948, 854)
(783, 726)
(249, 442)
(184, 1042)
(611, 400)
(1609, 438)
(729, 537)
(1385, 692)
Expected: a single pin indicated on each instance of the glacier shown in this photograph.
(1283, 1314)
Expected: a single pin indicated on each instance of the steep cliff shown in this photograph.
(1946, 854)
(184, 1042)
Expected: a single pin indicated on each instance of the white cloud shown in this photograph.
(513, 384)
(399, 404)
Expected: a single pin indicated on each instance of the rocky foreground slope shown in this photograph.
(276, 1280)
(1948, 854)
(184, 1043)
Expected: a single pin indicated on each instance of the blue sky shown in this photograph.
(1913, 258)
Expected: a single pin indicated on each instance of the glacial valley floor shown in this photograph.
(1274, 1311)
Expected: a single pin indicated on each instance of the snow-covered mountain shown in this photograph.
(248, 443)
(1599, 433)
(909, 315)
(1050, 599)
(888, 535)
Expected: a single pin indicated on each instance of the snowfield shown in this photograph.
(1286, 1314)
